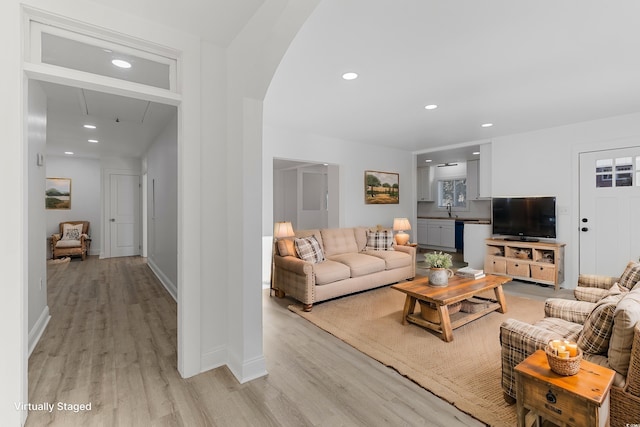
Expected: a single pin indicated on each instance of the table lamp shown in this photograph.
(281, 230)
(400, 225)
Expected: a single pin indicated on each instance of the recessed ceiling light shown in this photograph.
(94, 141)
(487, 125)
(90, 126)
(430, 107)
(70, 153)
(428, 160)
(475, 153)
(350, 76)
(121, 63)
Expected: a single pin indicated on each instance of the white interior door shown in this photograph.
(609, 207)
(124, 220)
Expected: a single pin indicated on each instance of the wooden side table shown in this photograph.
(580, 400)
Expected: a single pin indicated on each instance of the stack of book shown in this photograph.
(470, 273)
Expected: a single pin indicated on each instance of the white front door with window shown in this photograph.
(609, 210)
(124, 218)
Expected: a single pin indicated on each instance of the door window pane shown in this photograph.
(604, 167)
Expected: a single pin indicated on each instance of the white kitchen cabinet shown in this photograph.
(484, 172)
(424, 184)
(422, 231)
(473, 189)
(441, 233)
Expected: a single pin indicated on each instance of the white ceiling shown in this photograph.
(125, 127)
(520, 65)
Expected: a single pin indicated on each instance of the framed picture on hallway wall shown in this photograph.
(58, 193)
(381, 188)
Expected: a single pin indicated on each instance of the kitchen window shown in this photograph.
(452, 192)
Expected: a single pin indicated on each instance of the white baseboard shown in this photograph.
(214, 358)
(166, 282)
(249, 370)
(38, 329)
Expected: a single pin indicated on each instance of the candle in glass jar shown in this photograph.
(572, 348)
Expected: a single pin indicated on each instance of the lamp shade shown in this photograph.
(401, 224)
(283, 229)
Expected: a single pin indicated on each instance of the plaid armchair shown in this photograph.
(607, 330)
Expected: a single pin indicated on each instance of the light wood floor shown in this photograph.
(111, 342)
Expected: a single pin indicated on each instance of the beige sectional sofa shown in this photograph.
(350, 261)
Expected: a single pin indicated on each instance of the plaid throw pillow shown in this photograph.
(381, 240)
(309, 249)
(631, 275)
(596, 332)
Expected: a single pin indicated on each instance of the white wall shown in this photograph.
(162, 203)
(545, 162)
(13, 258)
(85, 196)
(353, 160)
(37, 273)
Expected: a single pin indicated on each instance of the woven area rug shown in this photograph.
(465, 372)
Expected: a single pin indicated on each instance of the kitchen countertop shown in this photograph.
(465, 220)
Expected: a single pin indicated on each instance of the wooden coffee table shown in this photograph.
(459, 289)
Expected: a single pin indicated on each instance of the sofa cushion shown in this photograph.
(360, 264)
(339, 241)
(71, 231)
(392, 259)
(330, 271)
(625, 317)
(564, 329)
(286, 247)
(631, 275)
(380, 240)
(583, 293)
(309, 249)
(597, 329)
(68, 243)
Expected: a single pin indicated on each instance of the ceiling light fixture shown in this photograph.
(70, 153)
(430, 107)
(90, 126)
(487, 125)
(428, 160)
(350, 76)
(475, 153)
(121, 63)
(93, 141)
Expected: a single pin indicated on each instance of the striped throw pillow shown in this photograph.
(309, 249)
(596, 332)
(631, 275)
(381, 240)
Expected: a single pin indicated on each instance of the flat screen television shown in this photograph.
(524, 218)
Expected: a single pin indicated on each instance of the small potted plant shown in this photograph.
(439, 264)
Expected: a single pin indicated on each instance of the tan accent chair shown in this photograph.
(67, 247)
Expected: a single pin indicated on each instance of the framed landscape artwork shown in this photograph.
(58, 193)
(381, 188)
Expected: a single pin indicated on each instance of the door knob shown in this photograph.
(585, 220)
(112, 220)
(584, 229)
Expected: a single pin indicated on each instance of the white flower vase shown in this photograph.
(439, 276)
